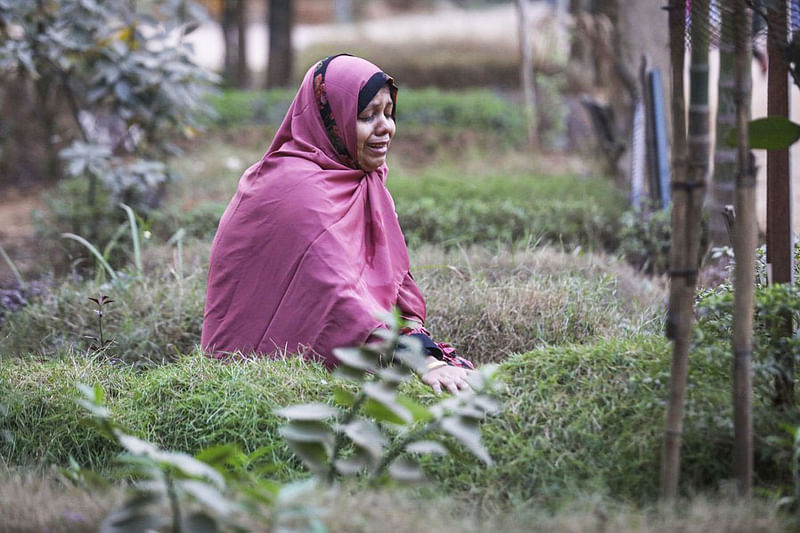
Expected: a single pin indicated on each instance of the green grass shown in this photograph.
(497, 297)
(577, 419)
(445, 206)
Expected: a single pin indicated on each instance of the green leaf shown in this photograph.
(353, 465)
(406, 470)
(343, 397)
(386, 395)
(366, 435)
(419, 412)
(130, 520)
(313, 454)
(349, 373)
(296, 489)
(222, 455)
(136, 446)
(381, 413)
(306, 431)
(89, 246)
(207, 495)
(394, 375)
(769, 133)
(467, 432)
(427, 447)
(358, 358)
(308, 412)
(199, 522)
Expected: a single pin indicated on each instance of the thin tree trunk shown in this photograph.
(725, 156)
(779, 193)
(682, 284)
(242, 73)
(526, 72)
(745, 242)
(279, 65)
(231, 48)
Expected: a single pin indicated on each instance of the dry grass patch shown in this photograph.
(32, 502)
(495, 302)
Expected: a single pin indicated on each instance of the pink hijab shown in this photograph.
(309, 248)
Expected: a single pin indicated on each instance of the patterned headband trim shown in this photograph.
(326, 113)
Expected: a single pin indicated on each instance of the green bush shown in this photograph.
(775, 353)
(644, 239)
(478, 109)
(66, 210)
(235, 107)
(438, 208)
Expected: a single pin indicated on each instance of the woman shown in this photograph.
(310, 249)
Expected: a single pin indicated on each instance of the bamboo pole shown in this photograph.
(690, 169)
(671, 453)
(724, 155)
(526, 72)
(745, 242)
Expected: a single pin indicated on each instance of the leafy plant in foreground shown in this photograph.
(376, 431)
(208, 492)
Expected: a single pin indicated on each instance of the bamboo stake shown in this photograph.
(723, 186)
(690, 169)
(674, 426)
(526, 72)
(745, 242)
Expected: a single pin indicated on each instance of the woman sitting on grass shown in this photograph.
(310, 249)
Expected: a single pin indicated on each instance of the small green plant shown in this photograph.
(100, 341)
(211, 492)
(375, 430)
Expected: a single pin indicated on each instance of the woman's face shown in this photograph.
(374, 131)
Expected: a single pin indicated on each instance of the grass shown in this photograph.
(577, 419)
(49, 504)
(511, 300)
(491, 303)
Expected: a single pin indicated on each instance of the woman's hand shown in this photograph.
(452, 378)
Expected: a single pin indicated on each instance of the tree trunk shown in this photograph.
(725, 156)
(745, 242)
(231, 45)
(279, 62)
(242, 73)
(779, 193)
(526, 72)
(689, 170)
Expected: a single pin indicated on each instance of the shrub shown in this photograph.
(776, 351)
(644, 239)
(438, 208)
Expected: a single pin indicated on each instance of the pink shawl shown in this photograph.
(309, 248)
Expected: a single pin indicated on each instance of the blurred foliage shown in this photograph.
(438, 208)
(645, 239)
(114, 84)
(776, 306)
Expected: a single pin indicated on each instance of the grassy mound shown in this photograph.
(576, 419)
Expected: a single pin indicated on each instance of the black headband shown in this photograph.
(370, 89)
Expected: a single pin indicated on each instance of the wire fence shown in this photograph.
(707, 19)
